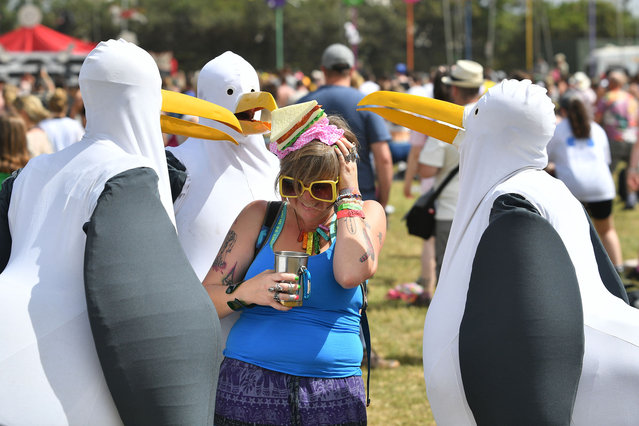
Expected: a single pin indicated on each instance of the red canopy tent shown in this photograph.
(43, 39)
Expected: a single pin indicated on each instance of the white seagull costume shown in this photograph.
(529, 324)
(102, 320)
(220, 179)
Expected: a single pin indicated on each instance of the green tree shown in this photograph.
(198, 30)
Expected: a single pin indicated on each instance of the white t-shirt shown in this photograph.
(446, 157)
(417, 139)
(582, 164)
(62, 132)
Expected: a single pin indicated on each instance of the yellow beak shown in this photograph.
(247, 105)
(439, 119)
(179, 103)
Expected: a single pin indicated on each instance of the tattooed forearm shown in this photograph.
(220, 260)
(229, 278)
(370, 251)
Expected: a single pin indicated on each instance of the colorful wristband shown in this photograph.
(349, 206)
(350, 213)
(349, 190)
(344, 195)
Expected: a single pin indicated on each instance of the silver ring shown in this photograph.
(278, 287)
(276, 297)
(271, 289)
(351, 156)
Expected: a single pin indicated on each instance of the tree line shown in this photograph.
(493, 31)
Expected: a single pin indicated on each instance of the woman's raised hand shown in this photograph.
(347, 155)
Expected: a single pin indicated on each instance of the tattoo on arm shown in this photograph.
(351, 225)
(370, 251)
(229, 278)
(220, 260)
(379, 237)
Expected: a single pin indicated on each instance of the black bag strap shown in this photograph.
(273, 209)
(5, 232)
(367, 338)
(441, 187)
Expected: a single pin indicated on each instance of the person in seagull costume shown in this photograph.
(212, 184)
(102, 320)
(529, 324)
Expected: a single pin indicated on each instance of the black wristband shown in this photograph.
(237, 304)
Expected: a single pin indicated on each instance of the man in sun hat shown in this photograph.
(438, 158)
(465, 73)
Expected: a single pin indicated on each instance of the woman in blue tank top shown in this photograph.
(299, 364)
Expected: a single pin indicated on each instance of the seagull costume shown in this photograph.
(529, 324)
(102, 320)
(213, 182)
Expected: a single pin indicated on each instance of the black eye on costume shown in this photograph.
(476, 111)
(229, 92)
(252, 90)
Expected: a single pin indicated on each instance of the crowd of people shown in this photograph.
(46, 119)
(329, 174)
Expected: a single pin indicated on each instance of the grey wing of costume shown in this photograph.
(103, 320)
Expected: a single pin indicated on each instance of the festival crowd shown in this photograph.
(321, 187)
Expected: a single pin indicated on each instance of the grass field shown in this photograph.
(398, 396)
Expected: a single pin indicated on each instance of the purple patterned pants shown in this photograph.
(251, 395)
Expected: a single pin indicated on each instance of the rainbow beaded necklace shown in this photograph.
(311, 239)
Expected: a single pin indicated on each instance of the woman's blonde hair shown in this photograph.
(58, 101)
(316, 160)
(32, 107)
(13, 144)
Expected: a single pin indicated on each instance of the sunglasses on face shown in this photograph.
(321, 190)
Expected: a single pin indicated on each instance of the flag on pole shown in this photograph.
(274, 4)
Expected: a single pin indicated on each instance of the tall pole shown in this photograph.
(490, 42)
(448, 33)
(355, 45)
(592, 32)
(529, 36)
(279, 38)
(124, 23)
(620, 32)
(410, 34)
(469, 30)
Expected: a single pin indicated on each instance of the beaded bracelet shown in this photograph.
(344, 195)
(349, 200)
(350, 213)
(349, 190)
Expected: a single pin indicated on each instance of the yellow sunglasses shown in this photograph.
(321, 190)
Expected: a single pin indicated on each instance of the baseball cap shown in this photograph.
(338, 57)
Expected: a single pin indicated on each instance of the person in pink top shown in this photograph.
(617, 113)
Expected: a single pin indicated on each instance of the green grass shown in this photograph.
(398, 396)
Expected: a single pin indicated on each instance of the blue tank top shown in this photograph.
(318, 339)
